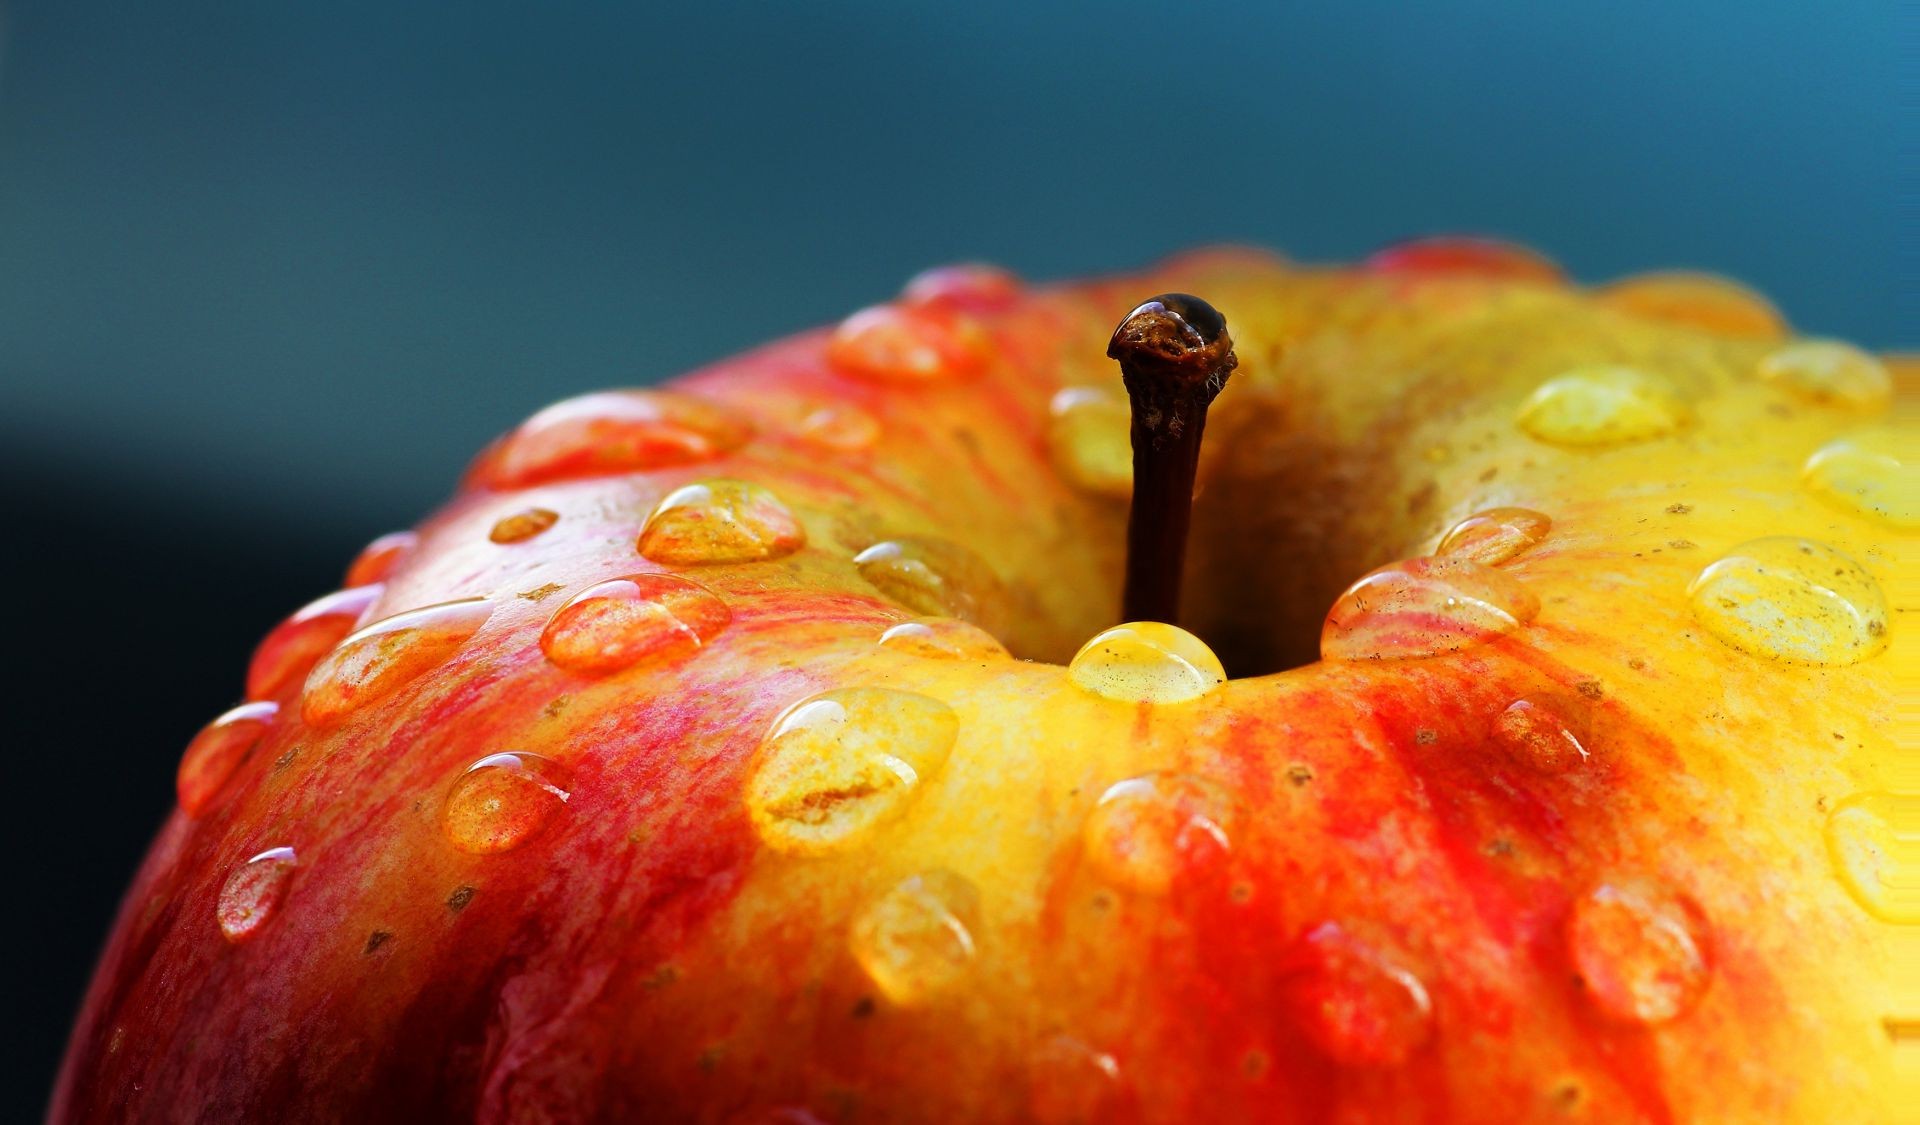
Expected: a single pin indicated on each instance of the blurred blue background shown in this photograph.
(270, 272)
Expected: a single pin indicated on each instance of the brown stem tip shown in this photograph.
(1175, 356)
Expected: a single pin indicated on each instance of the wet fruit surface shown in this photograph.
(720, 521)
(612, 432)
(1147, 662)
(626, 621)
(253, 893)
(386, 656)
(1425, 607)
(502, 801)
(217, 751)
(1793, 600)
(1640, 951)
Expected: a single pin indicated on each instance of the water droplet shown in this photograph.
(1641, 952)
(943, 638)
(1070, 1083)
(966, 286)
(720, 521)
(1425, 607)
(1091, 436)
(893, 344)
(934, 577)
(1148, 832)
(1146, 662)
(1495, 535)
(916, 941)
(1793, 600)
(1596, 406)
(845, 429)
(287, 653)
(378, 559)
(523, 525)
(253, 892)
(623, 621)
(1829, 372)
(1874, 839)
(1546, 731)
(502, 801)
(217, 751)
(1866, 475)
(1704, 301)
(1355, 1001)
(1466, 255)
(612, 432)
(386, 656)
(839, 764)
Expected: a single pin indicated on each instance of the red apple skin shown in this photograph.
(1401, 918)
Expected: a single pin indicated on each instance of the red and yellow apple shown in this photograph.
(767, 747)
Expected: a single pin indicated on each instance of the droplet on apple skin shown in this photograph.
(908, 344)
(934, 577)
(502, 801)
(610, 433)
(1874, 842)
(965, 286)
(839, 427)
(1547, 731)
(523, 525)
(1792, 600)
(1147, 662)
(1465, 256)
(387, 655)
(1425, 607)
(216, 753)
(377, 561)
(639, 619)
(1071, 1083)
(1640, 952)
(1703, 301)
(720, 521)
(838, 765)
(1593, 407)
(289, 652)
(1495, 535)
(943, 638)
(253, 893)
(916, 941)
(1867, 475)
(1090, 437)
(1829, 373)
(1149, 833)
(1354, 1000)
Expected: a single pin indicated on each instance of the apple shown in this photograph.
(1515, 742)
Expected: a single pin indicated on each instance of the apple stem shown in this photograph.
(1175, 356)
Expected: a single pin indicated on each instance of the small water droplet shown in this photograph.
(1794, 600)
(720, 521)
(916, 941)
(894, 344)
(966, 286)
(1147, 833)
(1425, 607)
(1865, 474)
(1091, 435)
(502, 801)
(934, 577)
(845, 429)
(1829, 372)
(1495, 535)
(1468, 256)
(378, 559)
(523, 525)
(289, 652)
(1546, 731)
(253, 892)
(1355, 1001)
(1640, 951)
(1874, 839)
(1704, 301)
(1070, 1083)
(386, 656)
(839, 764)
(624, 621)
(1598, 406)
(217, 751)
(611, 432)
(1146, 662)
(943, 638)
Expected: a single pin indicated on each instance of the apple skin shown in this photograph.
(1397, 919)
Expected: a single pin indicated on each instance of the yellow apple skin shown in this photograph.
(1347, 890)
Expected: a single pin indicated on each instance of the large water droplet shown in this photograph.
(1597, 406)
(1425, 607)
(523, 525)
(917, 344)
(217, 751)
(1794, 600)
(1704, 301)
(943, 638)
(1867, 475)
(1495, 535)
(966, 286)
(253, 893)
(612, 432)
(378, 559)
(1358, 1003)
(720, 521)
(1465, 255)
(1546, 731)
(1829, 372)
(1146, 662)
(1640, 952)
(288, 653)
(386, 656)
(1090, 434)
(839, 764)
(1874, 839)
(916, 941)
(935, 577)
(624, 621)
(502, 801)
(1149, 832)
(1070, 1083)
(839, 427)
